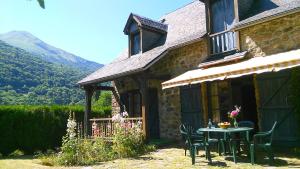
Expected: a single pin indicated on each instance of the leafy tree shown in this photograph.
(42, 3)
(27, 79)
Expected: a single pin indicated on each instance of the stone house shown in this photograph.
(200, 60)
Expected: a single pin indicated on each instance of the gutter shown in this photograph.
(266, 19)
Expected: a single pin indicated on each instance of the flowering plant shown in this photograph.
(234, 113)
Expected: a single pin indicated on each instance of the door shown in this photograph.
(191, 106)
(274, 94)
(153, 114)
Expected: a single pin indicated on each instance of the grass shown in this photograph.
(167, 158)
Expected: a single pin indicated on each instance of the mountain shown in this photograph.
(25, 78)
(30, 43)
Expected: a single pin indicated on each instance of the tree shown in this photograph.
(42, 3)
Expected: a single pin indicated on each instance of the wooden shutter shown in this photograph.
(275, 105)
(191, 106)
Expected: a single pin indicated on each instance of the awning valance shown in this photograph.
(272, 63)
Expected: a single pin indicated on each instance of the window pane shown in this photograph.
(222, 12)
(218, 16)
(135, 44)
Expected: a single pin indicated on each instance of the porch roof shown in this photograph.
(272, 63)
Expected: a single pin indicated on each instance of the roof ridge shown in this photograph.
(172, 11)
(134, 14)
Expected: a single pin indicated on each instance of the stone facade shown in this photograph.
(174, 63)
(272, 37)
(264, 39)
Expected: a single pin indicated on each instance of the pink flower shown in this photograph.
(125, 114)
(234, 114)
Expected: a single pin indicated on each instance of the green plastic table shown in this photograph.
(228, 131)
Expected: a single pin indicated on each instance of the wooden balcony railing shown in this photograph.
(105, 127)
(223, 42)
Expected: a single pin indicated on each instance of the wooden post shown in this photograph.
(204, 99)
(88, 108)
(237, 19)
(257, 98)
(143, 83)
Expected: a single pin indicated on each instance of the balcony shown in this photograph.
(223, 42)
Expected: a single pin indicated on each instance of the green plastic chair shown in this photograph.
(241, 141)
(184, 129)
(263, 140)
(194, 142)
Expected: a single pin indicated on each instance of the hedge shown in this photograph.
(33, 128)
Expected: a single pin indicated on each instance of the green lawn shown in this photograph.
(165, 158)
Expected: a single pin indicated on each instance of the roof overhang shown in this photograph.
(147, 66)
(242, 25)
(230, 58)
(256, 65)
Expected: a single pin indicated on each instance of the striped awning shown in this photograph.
(257, 65)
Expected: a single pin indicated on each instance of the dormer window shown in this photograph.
(144, 34)
(135, 43)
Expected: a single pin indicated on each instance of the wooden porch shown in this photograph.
(105, 127)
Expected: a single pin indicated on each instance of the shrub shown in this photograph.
(76, 151)
(33, 128)
(16, 153)
(128, 140)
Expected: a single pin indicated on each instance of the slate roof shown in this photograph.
(185, 25)
(274, 9)
(146, 22)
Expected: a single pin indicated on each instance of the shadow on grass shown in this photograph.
(22, 157)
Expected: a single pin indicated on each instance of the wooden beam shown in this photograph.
(237, 19)
(257, 98)
(88, 109)
(208, 25)
(143, 84)
(204, 99)
(104, 88)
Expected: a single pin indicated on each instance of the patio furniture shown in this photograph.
(263, 140)
(227, 132)
(241, 139)
(193, 142)
(184, 130)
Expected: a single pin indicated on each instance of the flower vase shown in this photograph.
(235, 123)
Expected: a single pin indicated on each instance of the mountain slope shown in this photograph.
(30, 43)
(25, 78)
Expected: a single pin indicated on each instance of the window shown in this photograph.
(135, 43)
(222, 19)
(222, 12)
(132, 102)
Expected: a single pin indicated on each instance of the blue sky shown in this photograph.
(92, 29)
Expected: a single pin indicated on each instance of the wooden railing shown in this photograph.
(223, 42)
(105, 127)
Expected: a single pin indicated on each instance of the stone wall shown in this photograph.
(175, 63)
(121, 85)
(272, 37)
